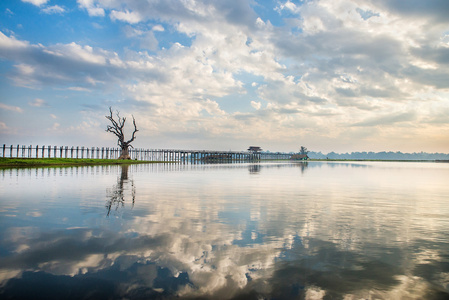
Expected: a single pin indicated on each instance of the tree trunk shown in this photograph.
(117, 129)
(124, 154)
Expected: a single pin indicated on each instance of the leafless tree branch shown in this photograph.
(117, 129)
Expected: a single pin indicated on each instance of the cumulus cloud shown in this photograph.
(36, 2)
(149, 41)
(10, 43)
(433, 10)
(55, 9)
(94, 10)
(339, 58)
(256, 105)
(126, 16)
(289, 6)
(61, 63)
(38, 103)
(10, 108)
(388, 119)
(158, 28)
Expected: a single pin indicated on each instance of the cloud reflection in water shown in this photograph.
(218, 232)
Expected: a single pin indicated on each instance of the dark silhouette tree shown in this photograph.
(303, 150)
(117, 129)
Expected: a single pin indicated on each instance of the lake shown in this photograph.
(316, 230)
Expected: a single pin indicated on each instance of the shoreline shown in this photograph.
(71, 162)
(65, 162)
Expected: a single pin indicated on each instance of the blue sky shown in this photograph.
(341, 75)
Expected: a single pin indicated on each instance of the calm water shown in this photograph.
(317, 230)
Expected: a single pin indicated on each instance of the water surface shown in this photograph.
(317, 230)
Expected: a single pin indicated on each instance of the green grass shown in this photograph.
(48, 162)
(43, 162)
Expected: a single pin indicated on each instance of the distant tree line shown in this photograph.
(380, 155)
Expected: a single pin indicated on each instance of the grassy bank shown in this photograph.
(44, 162)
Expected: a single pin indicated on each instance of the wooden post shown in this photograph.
(71, 152)
(54, 151)
(43, 151)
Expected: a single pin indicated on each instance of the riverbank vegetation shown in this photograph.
(388, 156)
(56, 162)
(41, 162)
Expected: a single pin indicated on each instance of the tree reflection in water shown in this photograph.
(303, 166)
(116, 195)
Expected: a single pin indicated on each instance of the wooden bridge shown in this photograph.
(157, 155)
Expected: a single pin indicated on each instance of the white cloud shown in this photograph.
(8, 43)
(55, 127)
(333, 64)
(55, 9)
(256, 105)
(38, 103)
(132, 32)
(213, 108)
(149, 41)
(78, 89)
(94, 10)
(25, 69)
(81, 53)
(287, 6)
(158, 28)
(126, 16)
(3, 127)
(10, 108)
(36, 2)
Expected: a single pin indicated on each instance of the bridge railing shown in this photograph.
(162, 155)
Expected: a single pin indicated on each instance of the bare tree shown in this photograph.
(117, 129)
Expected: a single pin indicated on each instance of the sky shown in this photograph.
(330, 75)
